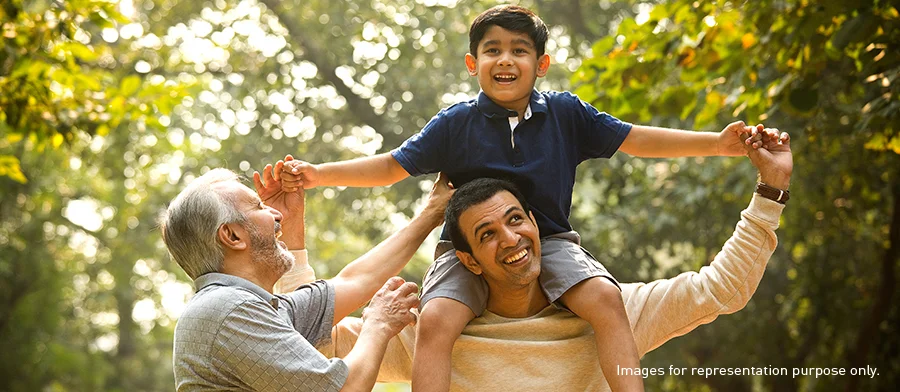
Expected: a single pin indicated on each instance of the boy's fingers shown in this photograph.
(784, 139)
(299, 167)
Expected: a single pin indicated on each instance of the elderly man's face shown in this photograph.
(506, 246)
(264, 227)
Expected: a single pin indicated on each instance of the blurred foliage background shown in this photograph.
(108, 109)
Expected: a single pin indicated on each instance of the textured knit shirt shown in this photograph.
(476, 139)
(236, 336)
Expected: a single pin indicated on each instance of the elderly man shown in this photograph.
(521, 342)
(235, 334)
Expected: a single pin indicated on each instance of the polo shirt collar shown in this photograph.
(219, 279)
(490, 109)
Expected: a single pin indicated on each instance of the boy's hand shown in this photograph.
(730, 142)
(298, 174)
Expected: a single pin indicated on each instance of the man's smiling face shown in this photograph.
(505, 242)
(507, 66)
(263, 226)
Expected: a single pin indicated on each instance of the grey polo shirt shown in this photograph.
(235, 336)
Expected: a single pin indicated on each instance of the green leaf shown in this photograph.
(9, 167)
(129, 85)
(79, 50)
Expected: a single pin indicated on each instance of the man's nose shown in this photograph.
(276, 213)
(508, 238)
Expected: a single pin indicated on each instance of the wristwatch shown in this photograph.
(772, 193)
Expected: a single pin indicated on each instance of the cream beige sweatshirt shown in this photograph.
(554, 350)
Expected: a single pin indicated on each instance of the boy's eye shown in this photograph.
(521, 51)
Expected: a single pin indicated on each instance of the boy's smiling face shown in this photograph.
(507, 66)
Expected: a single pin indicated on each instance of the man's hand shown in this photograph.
(438, 198)
(733, 139)
(775, 159)
(290, 204)
(391, 308)
(297, 174)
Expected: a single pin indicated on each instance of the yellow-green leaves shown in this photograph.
(9, 167)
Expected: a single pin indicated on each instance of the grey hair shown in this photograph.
(190, 223)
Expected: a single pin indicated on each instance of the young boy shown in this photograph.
(535, 139)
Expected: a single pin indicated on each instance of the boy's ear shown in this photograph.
(233, 236)
(469, 262)
(471, 64)
(543, 65)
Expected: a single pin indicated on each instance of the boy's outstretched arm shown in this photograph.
(376, 170)
(653, 142)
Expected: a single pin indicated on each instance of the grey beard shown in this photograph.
(264, 249)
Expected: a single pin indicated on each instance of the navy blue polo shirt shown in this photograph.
(473, 139)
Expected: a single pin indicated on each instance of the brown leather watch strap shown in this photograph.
(772, 193)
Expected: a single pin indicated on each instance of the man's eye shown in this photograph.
(515, 219)
(486, 234)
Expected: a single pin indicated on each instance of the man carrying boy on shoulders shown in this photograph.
(536, 140)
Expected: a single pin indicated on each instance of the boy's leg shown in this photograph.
(451, 297)
(599, 302)
(440, 324)
(572, 277)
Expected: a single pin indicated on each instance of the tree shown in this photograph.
(67, 299)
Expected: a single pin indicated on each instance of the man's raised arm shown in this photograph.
(359, 280)
(667, 308)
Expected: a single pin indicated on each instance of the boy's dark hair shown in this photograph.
(512, 18)
(472, 193)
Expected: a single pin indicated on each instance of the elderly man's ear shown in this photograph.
(233, 236)
(469, 261)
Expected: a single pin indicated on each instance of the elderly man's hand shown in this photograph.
(391, 308)
(438, 198)
(269, 189)
(774, 160)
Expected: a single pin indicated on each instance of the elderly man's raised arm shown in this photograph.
(359, 280)
(667, 308)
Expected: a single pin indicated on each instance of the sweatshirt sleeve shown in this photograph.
(668, 308)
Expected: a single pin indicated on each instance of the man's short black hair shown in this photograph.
(475, 192)
(513, 18)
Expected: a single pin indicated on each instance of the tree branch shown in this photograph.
(315, 54)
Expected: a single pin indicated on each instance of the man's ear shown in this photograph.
(543, 65)
(469, 261)
(233, 236)
(471, 64)
(531, 216)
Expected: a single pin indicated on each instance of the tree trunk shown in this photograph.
(868, 332)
